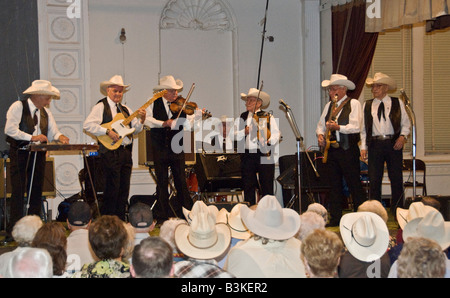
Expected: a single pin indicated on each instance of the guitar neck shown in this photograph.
(130, 118)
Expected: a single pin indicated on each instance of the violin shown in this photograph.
(189, 107)
(262, 119)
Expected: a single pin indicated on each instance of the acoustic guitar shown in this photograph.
(120, 125)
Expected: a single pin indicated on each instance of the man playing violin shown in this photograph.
(259, 132)
(164, 125)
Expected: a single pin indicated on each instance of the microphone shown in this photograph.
(284, 104)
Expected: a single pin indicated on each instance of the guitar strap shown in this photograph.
(338, 109)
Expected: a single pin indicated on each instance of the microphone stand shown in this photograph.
(412, 118)
(299, 139)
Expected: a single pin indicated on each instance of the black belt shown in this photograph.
(383, 137)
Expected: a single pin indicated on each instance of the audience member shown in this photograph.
(239, 231)
(129, 245)
(202, 241)
(79, 251)
(272, 250)
(167, 232)
(30, 262)
(310, 221)
(23, 234)
(319, 209)
(108, 239)
(141, 219)
(152, 258)
(366, 238)
(321, 251)
(52, 237)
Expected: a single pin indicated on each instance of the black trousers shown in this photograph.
(117, 166)
(21, 169)
(251, 166)
(381, 151)
(163, 159)
(344, 164)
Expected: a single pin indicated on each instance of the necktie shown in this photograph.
(118, 108)
(381, 111)
(35, 117)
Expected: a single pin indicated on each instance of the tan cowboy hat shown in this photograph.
(199, 206)
(169, 82)
(416, 209)
(365, 235)
(203, 238)
(258, 94)
(116, 80)
(431, 226)
(234, 221)
(43, 87)
(270, 220)
(381, 78)
(339, 80)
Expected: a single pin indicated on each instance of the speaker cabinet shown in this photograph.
(48, 190)
(146, 154)
(216, 172)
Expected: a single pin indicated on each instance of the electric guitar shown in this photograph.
(328, 133)
(120, 125)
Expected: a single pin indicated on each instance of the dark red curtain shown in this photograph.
(353, 48)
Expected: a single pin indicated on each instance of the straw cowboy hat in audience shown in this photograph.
(169, 82)
(43, 87)
(234, 221)
(114, 81)
(381, 78)
(204, 238)
(199, 206)
(339, 80)
(365, 235)
(431, 226)
(416, 209)
(270, 220)
(258, 94)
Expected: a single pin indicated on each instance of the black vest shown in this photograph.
(346, 140)
(162, 136)
(27, 125)
(395, 116)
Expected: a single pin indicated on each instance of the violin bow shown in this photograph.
(187, 99)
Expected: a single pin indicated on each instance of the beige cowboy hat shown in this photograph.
(258, 94)
(199, 206)
(43, 87)
(204, 238)
(381, 78)
(270, 220)
(339, 80)
(116, 80)
(431, 226)
(365, 235)
(234, 221)
(169, 82)
(416, 209)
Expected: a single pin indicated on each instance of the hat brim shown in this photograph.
(179, 86)
(402, 215)
(346, 83)
(410, 230)
(386, 81)
(289, 227)
(104, 85)
(54, 94)
(265, 97)
(219, 248)
(365, 254)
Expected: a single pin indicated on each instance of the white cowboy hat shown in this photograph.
(116, 80)
(203, 238)
(270, 220)
(169, 82)
(43, 87)
(416, 209)
(234, 221)
(381, 78)
(199, 206)
(339, 80)
(431, 226)
(258, 94)
(365, 235)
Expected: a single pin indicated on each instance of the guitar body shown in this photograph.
(118, 127)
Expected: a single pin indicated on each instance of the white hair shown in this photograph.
(30, 262)
(25, 228)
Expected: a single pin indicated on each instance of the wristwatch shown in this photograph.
(108, 131)
(406, 138)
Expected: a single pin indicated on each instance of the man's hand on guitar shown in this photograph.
(39, 138)
(321, 141)
(142, 115)
(63, 139)
(332, 125)
(114, 136)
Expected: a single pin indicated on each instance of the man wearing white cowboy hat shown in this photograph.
(30, 120)
(257, 162)
(117, 164)
(385, 128)
(340, 123)
(163, 128)
(272, 251)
